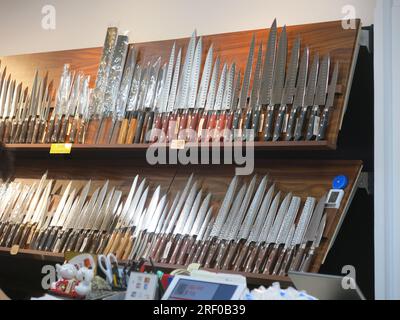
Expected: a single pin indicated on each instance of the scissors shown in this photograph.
(109, 265)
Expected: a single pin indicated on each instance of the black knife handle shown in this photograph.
(52, 235)
(36, 239)
(297, 259)
(311, 124)
(247, 126)
(7, 131)
(6, 232)
(235, 125)
(298, 135)
(17, 237)
(71, 241)
(286, 263)
(13, 132)
(2, 129)
(58, 243)
(269, 119)
(305, 267)
(79, 241)
(323, 126)
(139, 127)
(291, 124)
(279, 123)
(42, 130)
(256, 123)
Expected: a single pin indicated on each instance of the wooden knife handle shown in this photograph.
(24, 131)
(300, 124)
(35, 133)
(105, 131)
(49, 131)
(123, 131)
(128, 248)
(192, 126)
(156, 252)
(297, 259)
(115, 132)
(80, 241)
(194, 247)
(111, 243)
(103, 240)
(240, 260)
(125, 239)
(220, 254)
(175, 251)
(211, 254)
(92, 130)
(230, 256)
(202, 126)
(262, 252)
(184, 251)
(271, 261)
(171, 130)
(183, 125)
(2, 129)
(201, 254)
(305, 267)
(157, 125)
(286, 263)
(7, 131)
(278, 264)
(164, 127)
(324, 123)
(14, 130)
(42, 132)
(64, 130)
(130, 136)
(73, 133)
(31, 128)
(56, 130)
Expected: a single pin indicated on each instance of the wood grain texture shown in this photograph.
(324, 38)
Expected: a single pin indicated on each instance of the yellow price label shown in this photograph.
(61, 148)
(178, 144)
(14, 250)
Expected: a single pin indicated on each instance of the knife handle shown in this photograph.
(184, 251)
(73, 133)
(211, 254)
(211, 126)
(31, 128)
(18, 235)
(193, 249)
(111, 244)
(32, 232)
(183, 125)
(156, 128)
(139, 127)
(56, 248)
(50, 239)
(123, 131)
(42, 132)
(71, 242)
(298, 135)
(92, 130)
(102, 243)
(255, 123)
(240, 259)
(236, 134)
(49, 131)
(2, 129)
(271, 261)
(175, 251)
(229, 260)
(200, 257)
(94, 242)
(35, 239)
(128, 248)
(164, 126)
(269, 119)
(166, 249)
(35, 133)
(132, 130)
(220, 253)
(291, 123)
(115, 132)
(154, 248)
(43, 237)
(305, 266)
(24, 130)
(323, 126)
(312, 123)
(104, 133)
(297, 259)
(79, 241)
(171, 131)
(7, 131)
(279, 263)
(13, 133)
(7, 234)
(193, 126)
(262, 253)
(56, 130)
(220, 126)
(279, 123)
(286, 263)
(246, 125)
(124, 243)
(202, 126)
(149, 122)
(24, 236)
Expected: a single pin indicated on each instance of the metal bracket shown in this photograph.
(365, 39)
(366, 181)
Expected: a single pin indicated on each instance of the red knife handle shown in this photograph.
(171, 130)
(230, 257)
(211, 126)
(182, 125)
(271, 261)
(157, 125)
(164, 126)
(192, 132)
(202, 126)
(7, 131)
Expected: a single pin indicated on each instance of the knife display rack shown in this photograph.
(322, 38)
(120, 165)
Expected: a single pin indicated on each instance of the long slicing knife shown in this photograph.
(289, 90)
(278, 84)
(323, 126)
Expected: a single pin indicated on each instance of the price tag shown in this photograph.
(61, 148)
(14, 250)
(178, 144)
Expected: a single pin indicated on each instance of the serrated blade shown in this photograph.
(322, 85)
(288, 220)
(302, 79)
(163, 102)
(247, 75)
(315, 220)
(205, 79)
(195, 75)
(332, 86)
(224, 209)
(276, 227)
(228, 94)
(257, 80)
(235, 97)
(262, 215)
(305, 217)
(290, 84)
(253, 210)
(312, 82)
(221, 88)
(280, 68)
(174, 86)
(183, 90)
(213, 86)
(269, 66)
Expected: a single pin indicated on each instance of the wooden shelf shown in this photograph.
(258, 146)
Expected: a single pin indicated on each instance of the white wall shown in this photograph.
(82, 23)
